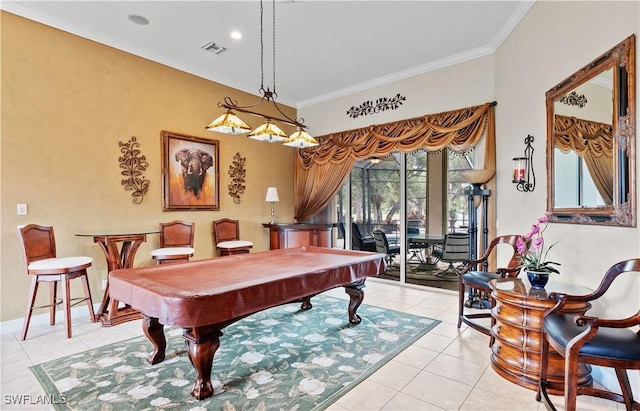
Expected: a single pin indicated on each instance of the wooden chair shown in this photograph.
(478, 284)
(227, 237)
(43, 265)
(176, 242)
(591, 340)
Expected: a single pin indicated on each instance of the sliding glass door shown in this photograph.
(413, 199)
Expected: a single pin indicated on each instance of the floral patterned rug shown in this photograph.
(279, 359)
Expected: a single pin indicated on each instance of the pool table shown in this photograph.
(205, 296)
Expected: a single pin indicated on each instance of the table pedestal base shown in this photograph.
(122, 315)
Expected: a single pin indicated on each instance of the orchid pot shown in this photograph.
(538, 279)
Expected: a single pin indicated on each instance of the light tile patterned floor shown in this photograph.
(447, 369)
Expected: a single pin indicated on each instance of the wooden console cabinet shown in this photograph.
(299, 235)
(518, 316)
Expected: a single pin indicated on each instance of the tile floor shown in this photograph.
(447, 369)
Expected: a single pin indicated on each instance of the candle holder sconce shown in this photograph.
(523, 175)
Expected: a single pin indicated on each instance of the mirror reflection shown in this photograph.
(583, 144)
(591, 142)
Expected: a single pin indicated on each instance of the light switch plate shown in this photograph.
(22, 209)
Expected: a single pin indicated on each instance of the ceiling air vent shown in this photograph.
(214, 47)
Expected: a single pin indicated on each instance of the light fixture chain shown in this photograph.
(261, 49)
(274, 46)
(229, 123)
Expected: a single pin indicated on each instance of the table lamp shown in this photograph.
(272, 197)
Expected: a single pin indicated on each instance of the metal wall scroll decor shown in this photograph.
(381, 104)
(574, 99)
(523, 175)
(133, 164)
(237, 172)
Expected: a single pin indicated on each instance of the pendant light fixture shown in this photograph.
(230, 123)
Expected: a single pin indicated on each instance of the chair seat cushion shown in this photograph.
(479, 279)
(168, 251)
(611, 343)
(234, 244)
(60, 263)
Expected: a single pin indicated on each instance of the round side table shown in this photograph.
(518, 313)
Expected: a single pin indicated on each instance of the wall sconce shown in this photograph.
(523, 174)
(272, 197)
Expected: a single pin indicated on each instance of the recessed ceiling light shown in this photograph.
(236, 35)
(138, 19)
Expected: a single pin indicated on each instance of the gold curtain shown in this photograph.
(320, 171)
(593, 141)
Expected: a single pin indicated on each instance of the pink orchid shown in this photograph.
(535, 258)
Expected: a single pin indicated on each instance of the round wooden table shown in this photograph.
(518, 314)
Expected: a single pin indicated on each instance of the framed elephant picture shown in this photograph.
(190, 173)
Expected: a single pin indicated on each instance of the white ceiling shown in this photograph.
(324, 49)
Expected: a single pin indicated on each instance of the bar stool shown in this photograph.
(176, 242)
(42, 264)
(227, 237)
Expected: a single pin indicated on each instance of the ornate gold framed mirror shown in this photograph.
(591, 142)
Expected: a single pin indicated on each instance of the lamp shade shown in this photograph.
(268, 132)
(228, 123)
(272, 195)
(477, 175)
(300, 139)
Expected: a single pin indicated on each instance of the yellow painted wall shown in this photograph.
(66, 104)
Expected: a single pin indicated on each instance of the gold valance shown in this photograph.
(593, 141)
(459, 130)
(320, 171)
(583, 136)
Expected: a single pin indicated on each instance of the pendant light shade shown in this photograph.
(300, 139)
(229, 123)
(269, 133)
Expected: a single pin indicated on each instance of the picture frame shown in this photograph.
(190, 173)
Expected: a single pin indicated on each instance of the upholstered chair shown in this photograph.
(360, 241)
(44, 266)
(475, 280)
(227, 237)
(176, 242)
(382, 246)
(592, 340)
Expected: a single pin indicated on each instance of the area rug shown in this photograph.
(279, 359)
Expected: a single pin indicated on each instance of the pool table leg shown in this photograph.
(202, 344)
(155, 333)
(306, 303)
(356, 295)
